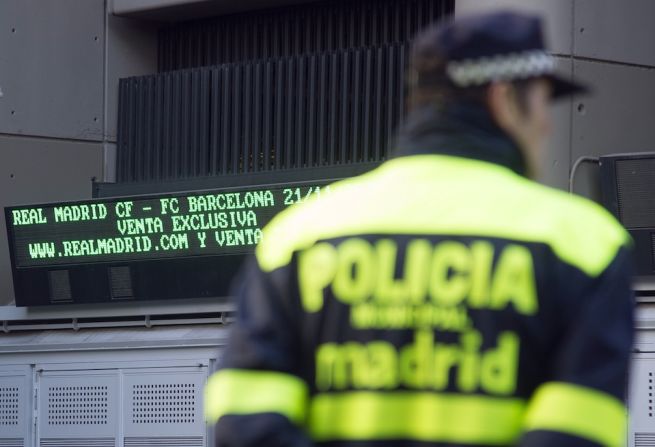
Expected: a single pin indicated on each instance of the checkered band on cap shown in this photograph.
(504, 67)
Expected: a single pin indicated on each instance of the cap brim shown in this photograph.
(563, 87)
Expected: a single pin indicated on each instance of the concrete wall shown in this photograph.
(60, 62)
(611, 45)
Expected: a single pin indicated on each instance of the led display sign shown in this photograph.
(210, 223)
(121, 242)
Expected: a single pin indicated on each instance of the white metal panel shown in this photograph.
(15, 399)
(614, 30)
(99, 310)
(558, 16)
(91, 358)
(118, 398)
(642, 401)
(164, 406)
(78, 408)
(68, 341)
(143, 363)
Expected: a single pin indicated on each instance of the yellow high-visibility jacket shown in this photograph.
(442, 299)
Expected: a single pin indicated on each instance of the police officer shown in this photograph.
(445, 298)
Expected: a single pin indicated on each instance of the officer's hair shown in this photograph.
(444, 96)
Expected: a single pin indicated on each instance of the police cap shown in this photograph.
(495, 46)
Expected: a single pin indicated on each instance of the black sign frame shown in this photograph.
(196, 276)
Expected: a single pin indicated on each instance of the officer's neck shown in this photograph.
(463, 130)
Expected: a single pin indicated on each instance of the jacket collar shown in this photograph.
(463, 130)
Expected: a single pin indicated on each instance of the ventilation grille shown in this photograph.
(310, 111)
(77, 405)
(190, 441)
(650, 394)
(9, 406)
(171, 403)
(60, 287)
(307, 29)
(120, 280)
(635, 180)
(77, 442)
(12, 442)
(644, 439)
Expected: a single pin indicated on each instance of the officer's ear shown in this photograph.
(503, 106)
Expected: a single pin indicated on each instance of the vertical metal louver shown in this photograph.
(306, 29)
(306, 111)
(316, 85)
(163, 125)
(309, 111)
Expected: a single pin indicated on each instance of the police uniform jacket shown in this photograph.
(442, 299)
